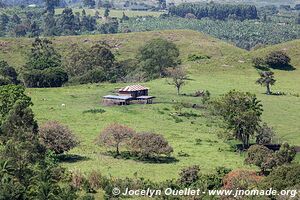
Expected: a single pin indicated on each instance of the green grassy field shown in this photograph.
(229, 68)
(114, 13)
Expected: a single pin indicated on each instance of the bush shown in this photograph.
(241, 179)
(264, 135)
(150, 145)
(278, 60)
(189, 175)
(57, 137)
(283, 177)
(260, 156)
(195, 57)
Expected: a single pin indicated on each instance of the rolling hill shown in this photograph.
(229, 68)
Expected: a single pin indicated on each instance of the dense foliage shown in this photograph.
(215, 11)
(156, 56)
(44, 66)
(246, 34)
(28, 171)
(8, 74)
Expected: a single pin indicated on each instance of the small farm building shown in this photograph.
(128, 94)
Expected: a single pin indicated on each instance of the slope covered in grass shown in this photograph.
(229, 68)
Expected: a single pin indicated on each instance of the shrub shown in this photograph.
(241, 179)
(8, 74)
(94, 180)
(189, 175)
(283, 177)
(264, 135)
(195, 57)
(278, 60)
(57, 137)
(260, 156)
(150, 145)
(115, 135)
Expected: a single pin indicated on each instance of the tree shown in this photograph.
(44, 66)
(43, 55)
(92, 65)
(278, 60)
(264, 135)
(266, 79)
(9, 95)
(51, 4)
(8, 74)
(67, 22)
(242, 114)
(156, 56)
(150, 145)
(189, 175)
(178, 77)
(57, 137)
(115, 135)
(106, 12)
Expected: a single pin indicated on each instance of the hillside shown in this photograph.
(229, 68)
(14, 50)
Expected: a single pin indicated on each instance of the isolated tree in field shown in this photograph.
(157, 55)
(57, 137)
(115, 135)
(265, 134)
(242, 114)
(178, 77)
(150, 145)
(266, 79)
(278, 60)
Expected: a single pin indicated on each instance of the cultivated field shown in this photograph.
(229, 68)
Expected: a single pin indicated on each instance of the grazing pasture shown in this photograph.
(193, 138)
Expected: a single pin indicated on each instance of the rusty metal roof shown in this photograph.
(133, 88)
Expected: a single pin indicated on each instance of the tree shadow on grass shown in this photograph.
(126, 155)
(71, 158)
(283, 68)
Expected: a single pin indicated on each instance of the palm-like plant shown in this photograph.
(266, 79)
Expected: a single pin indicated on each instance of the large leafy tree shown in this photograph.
(242, 114)
(266, 79)
(44, 66)
(43, 55)
(157, 55)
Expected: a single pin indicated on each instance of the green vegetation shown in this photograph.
(215, 11)
(239, 33)
(226, 62)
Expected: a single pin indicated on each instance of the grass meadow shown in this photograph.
(229, 68)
